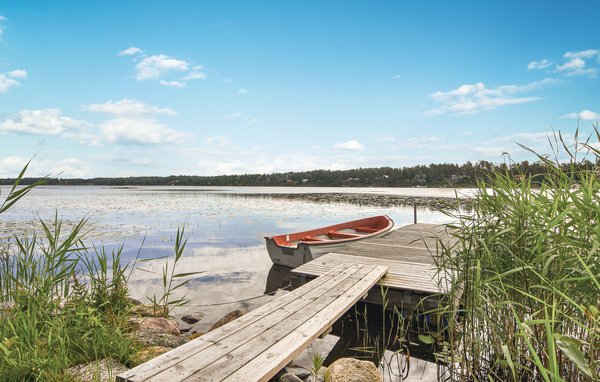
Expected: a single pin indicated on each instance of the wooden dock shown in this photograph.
(409, 253)
(259, 344)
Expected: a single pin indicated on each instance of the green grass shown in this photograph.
(63, 304)
(527, 266)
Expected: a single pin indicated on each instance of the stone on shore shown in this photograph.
(352, 370)
(156, 331)
(289, 377)
(146, 354)
(228, 318)
(191, 318)
(156, 324)
(104, 370)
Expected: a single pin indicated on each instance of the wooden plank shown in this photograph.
(282, 320)
(401, 275)
(256, 335)
(278, 355)
(148, 369)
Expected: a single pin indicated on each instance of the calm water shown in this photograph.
(225, 229)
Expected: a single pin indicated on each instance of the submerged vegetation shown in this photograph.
(526, 266)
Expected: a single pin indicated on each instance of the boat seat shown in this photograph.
(342, 235)
(310, 238)
(366, 229)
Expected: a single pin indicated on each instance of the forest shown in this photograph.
(432, 175)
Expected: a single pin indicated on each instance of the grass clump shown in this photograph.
(526, 264)
(61, 303)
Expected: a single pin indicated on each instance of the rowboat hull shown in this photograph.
(295, 249)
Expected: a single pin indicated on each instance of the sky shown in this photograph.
(132, 88)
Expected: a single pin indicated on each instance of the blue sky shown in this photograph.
(113, 88)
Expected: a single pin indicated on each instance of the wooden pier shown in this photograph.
(259, 344)
(409, 252)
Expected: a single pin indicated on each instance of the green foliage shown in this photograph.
(60, 304)
(525, 268)
(439, 175)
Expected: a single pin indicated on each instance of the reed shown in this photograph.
(526, 267)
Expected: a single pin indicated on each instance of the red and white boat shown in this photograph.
(295, 249)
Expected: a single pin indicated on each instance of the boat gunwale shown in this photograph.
(387, 228)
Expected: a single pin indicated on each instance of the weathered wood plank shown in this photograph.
(408, 252)
(156, 365)
(281, 319)
(222, 352)
(278, 355)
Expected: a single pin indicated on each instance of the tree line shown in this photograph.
(432, 175)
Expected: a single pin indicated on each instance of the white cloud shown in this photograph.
(218, 140)
(584, 115)
(64, 168)
(352, 145)
(473, 98)
(2, 19)
(154, 67)
(40, 122)
(19, 73)
(577, 63)
(128, 107)
(242, 91)
(173, 84)
(140, 131)
(420, 142)
(131, 51)
(233, 116)
(169, 71)
(7, 80)
(195, 74)
(542, 64)
(396, 77)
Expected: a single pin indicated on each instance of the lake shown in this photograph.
(225, 227)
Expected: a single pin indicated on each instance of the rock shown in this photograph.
(133, 301)
(146, 354)
(289, 377)
(191, 318)
(297, 371)
(228, 318)
(104, 370)
(352, 370)
(153, 338)
(194, 335)
(146, 311)
(156, 324)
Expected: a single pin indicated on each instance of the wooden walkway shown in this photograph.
(409, 253)
(259, 344)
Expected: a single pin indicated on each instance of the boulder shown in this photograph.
(153, 338)
(104, 370)
(289, 377)
(352, 370)
(146, 311)
(228, 318)
(155, 324)
(191, 318)
(297, 371)
(146, 354)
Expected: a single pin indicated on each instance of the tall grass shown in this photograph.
(527, 267)
(61, 303)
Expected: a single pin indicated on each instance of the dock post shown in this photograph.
(415, 213)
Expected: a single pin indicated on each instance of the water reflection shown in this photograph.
(225, 231)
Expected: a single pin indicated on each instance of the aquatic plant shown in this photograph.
(525, 291)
